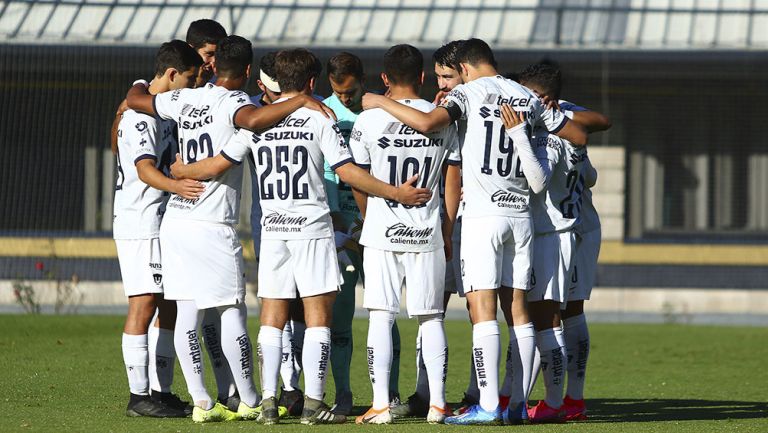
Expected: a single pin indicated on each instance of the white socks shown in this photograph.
(315, 358)
(135, 356)
(380, 355)
(293, 342)
(577, 348)
(270, 349)
(238, 351)
(434, 352)
(211, 333)
(162, 357)
(189, 352)
(485, 352)
(553, 364)
(520, 354)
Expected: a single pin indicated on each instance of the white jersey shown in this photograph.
(394, 152)
(558, 207)
(205, 118)
(138, 207)
(288, 164)
(493, 179)
(590, 220)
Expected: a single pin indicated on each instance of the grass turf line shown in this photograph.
(65, 373)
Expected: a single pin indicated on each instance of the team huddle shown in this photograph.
(484, 192)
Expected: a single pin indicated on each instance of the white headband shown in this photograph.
(269, 82)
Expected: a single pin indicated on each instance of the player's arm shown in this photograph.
(362, 180)
(593, 121)
(418, 120)
(535, 172)
(149, 174)
(202, 170)
(452, 176)
(573, 132)
(255, 118)
(139, 99)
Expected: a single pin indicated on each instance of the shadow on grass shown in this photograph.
(651, 410)
(640, 410)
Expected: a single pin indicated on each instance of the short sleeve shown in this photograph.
(452, 145)
(168, 104)
(235, 101)
(141, 137)
(456, 103)
(239, 146)
(570, 106)
(332, 144)
(359, 147)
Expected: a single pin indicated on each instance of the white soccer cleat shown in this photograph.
(437, 415)
(373, 416)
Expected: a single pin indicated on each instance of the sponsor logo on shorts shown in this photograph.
(402, 234)
(277, 222)
(158, 278)
(510, 200)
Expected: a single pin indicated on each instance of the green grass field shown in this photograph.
(65, 373)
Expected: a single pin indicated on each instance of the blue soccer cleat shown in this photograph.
(516, 415)
(476, 415)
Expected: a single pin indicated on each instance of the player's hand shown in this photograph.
(408, 194)
(178, 167)
(189, 189)
(121, 109)
(439, 97)
(314, 104)
(550, 102)
(510, 117)
(371, 100)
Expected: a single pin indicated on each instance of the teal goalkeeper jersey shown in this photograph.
(340, 198)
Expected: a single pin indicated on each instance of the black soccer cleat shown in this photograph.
(292, 400)
(142, 405)
(232, 402)
(171, 400)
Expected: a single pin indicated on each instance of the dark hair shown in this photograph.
(404, 65)
(233, 56)
(267, 63)
(545, 76)
(343, 65)
(445, 56)
(205, 31)
(294, 68)
(178, 55)
(475, 52)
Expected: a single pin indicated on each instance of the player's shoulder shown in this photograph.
(139, 122)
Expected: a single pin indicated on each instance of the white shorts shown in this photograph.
(307, 267)
(453, 282)
(496, 251)
(552, 264)
(585, 265)
(140, 266)
(423, 274)
(203, 262)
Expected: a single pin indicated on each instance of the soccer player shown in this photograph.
(545, 79)
(298, 251)
(418, 403)
(496, 228)
(203, 35)
(347, 79)
(144, 149)
(404, 243)
(202, 253)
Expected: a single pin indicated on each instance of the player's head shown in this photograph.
(403, 67)
(345, 72)
(177, 65)
(204, 35)
(542, 78)
(234, 55)
(266, 80)
(445, 66)
(472, 55)
(297, 70)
